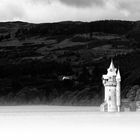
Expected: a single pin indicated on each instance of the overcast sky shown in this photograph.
(60, 10)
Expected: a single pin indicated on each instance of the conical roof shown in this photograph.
(118, 75)
(111, 70)
(111, 67)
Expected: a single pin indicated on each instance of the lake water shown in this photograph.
(66, 123)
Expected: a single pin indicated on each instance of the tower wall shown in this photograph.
(118, 95)
(111, 98)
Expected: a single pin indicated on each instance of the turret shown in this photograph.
(118, 90)
(109, 81)
(118, 76)
(112, 89)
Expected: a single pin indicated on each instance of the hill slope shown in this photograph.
(35, 57)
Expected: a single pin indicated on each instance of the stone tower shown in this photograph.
(112, 90)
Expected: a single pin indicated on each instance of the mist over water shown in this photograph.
(71, 123)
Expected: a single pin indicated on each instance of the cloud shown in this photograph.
(58, 10)
(83, 3)
(130, 9)
(132, 6)
(76, 3)
(11, 10)
(42, 1)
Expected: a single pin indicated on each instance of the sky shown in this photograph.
(40, 11)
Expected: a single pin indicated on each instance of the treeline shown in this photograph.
(71, 28)
(32, 95)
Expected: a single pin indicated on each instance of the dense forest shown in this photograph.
(35, 58)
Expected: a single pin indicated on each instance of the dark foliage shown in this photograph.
(28, 76)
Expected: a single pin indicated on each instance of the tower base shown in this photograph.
(104, 108)
(112, 109)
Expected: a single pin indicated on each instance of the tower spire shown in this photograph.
(111, 65)
(118, 76)
(111, 70)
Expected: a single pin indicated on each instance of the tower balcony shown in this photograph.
(110, 83)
